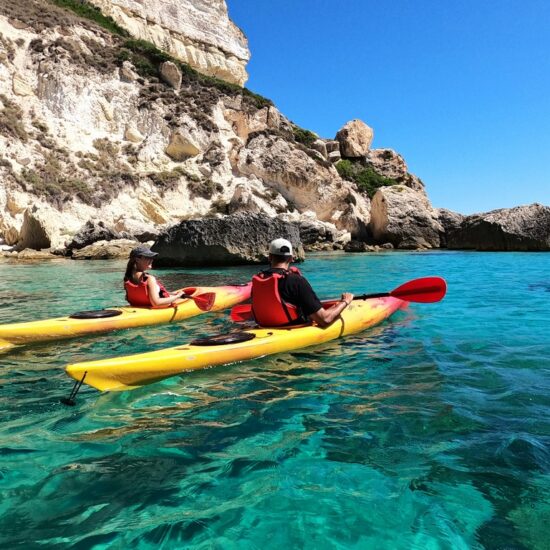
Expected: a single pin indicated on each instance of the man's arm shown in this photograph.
(324, 317)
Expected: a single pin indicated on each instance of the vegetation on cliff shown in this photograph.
(365, 177)
(146, 57)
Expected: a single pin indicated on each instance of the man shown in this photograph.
(281, 296)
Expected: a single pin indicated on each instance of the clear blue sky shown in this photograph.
(460, 89)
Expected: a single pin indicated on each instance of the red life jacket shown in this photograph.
(137, 295)
(267, 305)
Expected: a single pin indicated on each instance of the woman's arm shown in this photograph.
(154, 291)
(324, 317)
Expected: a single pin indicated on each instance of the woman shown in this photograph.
(142, 289)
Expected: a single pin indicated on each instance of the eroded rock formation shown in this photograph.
(404, 218)
(519, 228)
(231, 240)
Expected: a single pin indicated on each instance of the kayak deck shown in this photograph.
(123, 373)
(129, 317)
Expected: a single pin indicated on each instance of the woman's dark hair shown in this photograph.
(130, 267)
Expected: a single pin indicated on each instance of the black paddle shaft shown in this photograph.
(377, 295)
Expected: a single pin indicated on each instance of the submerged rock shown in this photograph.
(231, 240)
(519, 228)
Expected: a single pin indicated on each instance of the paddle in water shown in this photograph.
(423, 290)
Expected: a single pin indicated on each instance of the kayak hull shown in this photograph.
(130, 317)
(124, 373)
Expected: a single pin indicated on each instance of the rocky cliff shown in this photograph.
(104, 136)
(197, 32)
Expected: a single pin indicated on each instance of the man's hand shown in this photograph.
(347, 297)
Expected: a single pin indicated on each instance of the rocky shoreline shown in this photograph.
(243, 238)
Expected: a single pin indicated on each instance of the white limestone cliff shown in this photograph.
(197, 32)
(84, 140)
(86, 134)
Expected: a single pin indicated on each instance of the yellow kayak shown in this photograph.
(94, 322)
(124, 373)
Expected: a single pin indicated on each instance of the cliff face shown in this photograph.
(197, 32)
(95, 127)
(92, 128)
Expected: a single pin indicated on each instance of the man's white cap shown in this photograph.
(280, 247)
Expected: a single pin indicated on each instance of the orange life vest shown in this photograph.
(269, 309)
(137, 295)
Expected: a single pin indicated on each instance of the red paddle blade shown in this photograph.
(241, 313)
(205, 301)
(426, 289)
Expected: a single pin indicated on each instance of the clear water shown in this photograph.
(430, 431)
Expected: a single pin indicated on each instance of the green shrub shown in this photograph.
(10, 120)
(49, 180)
(87, 11)
(304, 136)
(204, 188)
(366, 179)
(346, 169)
(146, 57)
(166, 180)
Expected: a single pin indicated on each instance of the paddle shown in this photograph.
(241, 312)
(423, 290)
(203, 301)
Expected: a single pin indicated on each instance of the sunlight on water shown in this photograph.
(431, 430)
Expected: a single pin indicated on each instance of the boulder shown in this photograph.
(307, 184)
(519, 228)
(360, 246)
(92, 232)
(317, 235)
(244, 123)
(355, 138)
(127, 73)
(319, 146)
(105, 250)
(170, 73)
(230, 240)
(390, 164)
(332, 145)
(181, 147)
(20, 86)
(136, 230)
(405, 218)
(133, 134)
(334, 157)
(31, 254)
(11, 235)
(450, 221)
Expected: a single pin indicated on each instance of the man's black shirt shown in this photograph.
(295, 289)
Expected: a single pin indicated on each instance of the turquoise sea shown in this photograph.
(431, 431)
